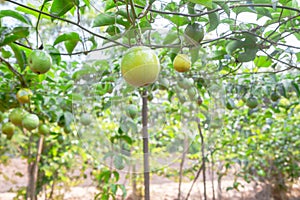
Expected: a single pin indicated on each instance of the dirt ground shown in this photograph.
(161, 188)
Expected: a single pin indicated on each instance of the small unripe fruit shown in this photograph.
(182, 63)
(132, 111)
(85, 119)
(30, 122)
(44, 129)
(275, 96)
(8, 129)
(252, 102)
(194, 33)
(140, 66)
(39, 61)
(16, 116)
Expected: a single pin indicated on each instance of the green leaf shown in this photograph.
(194, 54)
(70, 40)
(298, 56)
(233, 45)
(170, 38)
(118, 162)
(20, 56)
(206, 3)
(262, 61)
(225, 7)
(295, 86)
(31, 12)
(248, 55)
(105, 19)
(61, 7)
(214, 21)
(16, 15)
(12, 35)
(177, 20)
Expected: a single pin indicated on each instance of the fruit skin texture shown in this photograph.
(140, 66)
(39, 61)
(44, 129)
(8, 129)
(23, 95)
(275, 96)
(182, 63)
(30, 122)
(252, 102)
(85, 119)
(194, 32)
(16, 116)
(132, 111)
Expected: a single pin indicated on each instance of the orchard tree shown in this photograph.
(217, 81)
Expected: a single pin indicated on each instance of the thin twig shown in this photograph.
(181, 166)
(203, 157)
(69, 21)
(13, 70)
(194, 181)
(37, 25)
(146, 145)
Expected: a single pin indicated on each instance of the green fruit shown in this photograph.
(140, 66)
(275, 96)
(186, 83)
(132, 111)
(150, 97)
(67, 129)
(39, 61)
(252, 102)
(182, 63)
(194, 33)
(44, 129)
(85, 119)
(192, 93)
(30, 122)
(17, 115)
(23, 95)
(181, 98)
(164, 83)
(8, 129)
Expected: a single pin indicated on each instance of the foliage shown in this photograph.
(236, 61)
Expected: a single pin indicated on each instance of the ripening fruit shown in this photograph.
(8, 129)
(132, 111)
(252, 102)
(30, 122)
(23, 95)
(194, 33)
(140, 66)
(16, 116)
(39, 61)
(44, 129)
(85, 119)
(182, 63)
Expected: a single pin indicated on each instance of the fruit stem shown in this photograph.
(145, 145)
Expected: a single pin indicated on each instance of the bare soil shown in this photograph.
(14, 176)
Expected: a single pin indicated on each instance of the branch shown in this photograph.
(214, 10)
(266, 40)
(69, 21)
(282, 62)
(13, 70)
